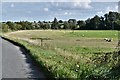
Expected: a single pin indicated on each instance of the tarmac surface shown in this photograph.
(15, 64)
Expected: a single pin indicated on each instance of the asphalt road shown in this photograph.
(15, 64)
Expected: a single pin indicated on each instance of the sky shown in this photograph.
(59, 0)
(45, 10)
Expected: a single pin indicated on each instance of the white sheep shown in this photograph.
(108, 39)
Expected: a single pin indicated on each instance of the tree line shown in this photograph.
(110, 21)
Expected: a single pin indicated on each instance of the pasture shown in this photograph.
(73, 41)
(71, 54)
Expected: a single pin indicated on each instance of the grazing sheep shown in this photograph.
(105, 39)
(108, 39)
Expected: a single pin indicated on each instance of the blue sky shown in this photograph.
(35, 11)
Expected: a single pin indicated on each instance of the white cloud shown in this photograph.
(59, 0)
(80, 3)
(105, 0)
(72, 4)
(12, 5)
(108, 9)
(116, 7)
(46, 9)
(100, 13)
(45, 0)
(67, 13)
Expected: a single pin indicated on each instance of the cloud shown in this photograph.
(46, 9)
(29, 12)
(72, 4)
(59, 0)
(105, 0)
(80, 3)
(12, 5)
(67, 13)
(45, 0)
(119, 7)
(108, 9)
(116, 7)
(100, 13)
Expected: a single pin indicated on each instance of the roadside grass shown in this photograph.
(65, 57)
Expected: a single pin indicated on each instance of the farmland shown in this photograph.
(72, 54)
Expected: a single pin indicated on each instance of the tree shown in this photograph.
(81, 24)
(102, 24)
(96, 22)
(5, 28)
(26, 25)
(46, 26)
(60, 21)
(72, 24)
(112, 19)
(66, 25)
(54, 24)
(18, 27)
(88, 24)
(11, 25)
(117, 25)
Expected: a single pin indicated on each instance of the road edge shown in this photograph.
(36, 63)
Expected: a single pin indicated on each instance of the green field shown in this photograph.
(72, 54)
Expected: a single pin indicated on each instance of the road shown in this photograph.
(15, 64)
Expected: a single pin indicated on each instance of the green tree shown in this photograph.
(11, 25)
(55, 24)
(81, 24)
(117, 25)
(18, 27)
(66, 25)
(5, 28)
(102, 23)
(72, 24)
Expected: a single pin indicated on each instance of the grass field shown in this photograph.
(77, 41)
(72, 54)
